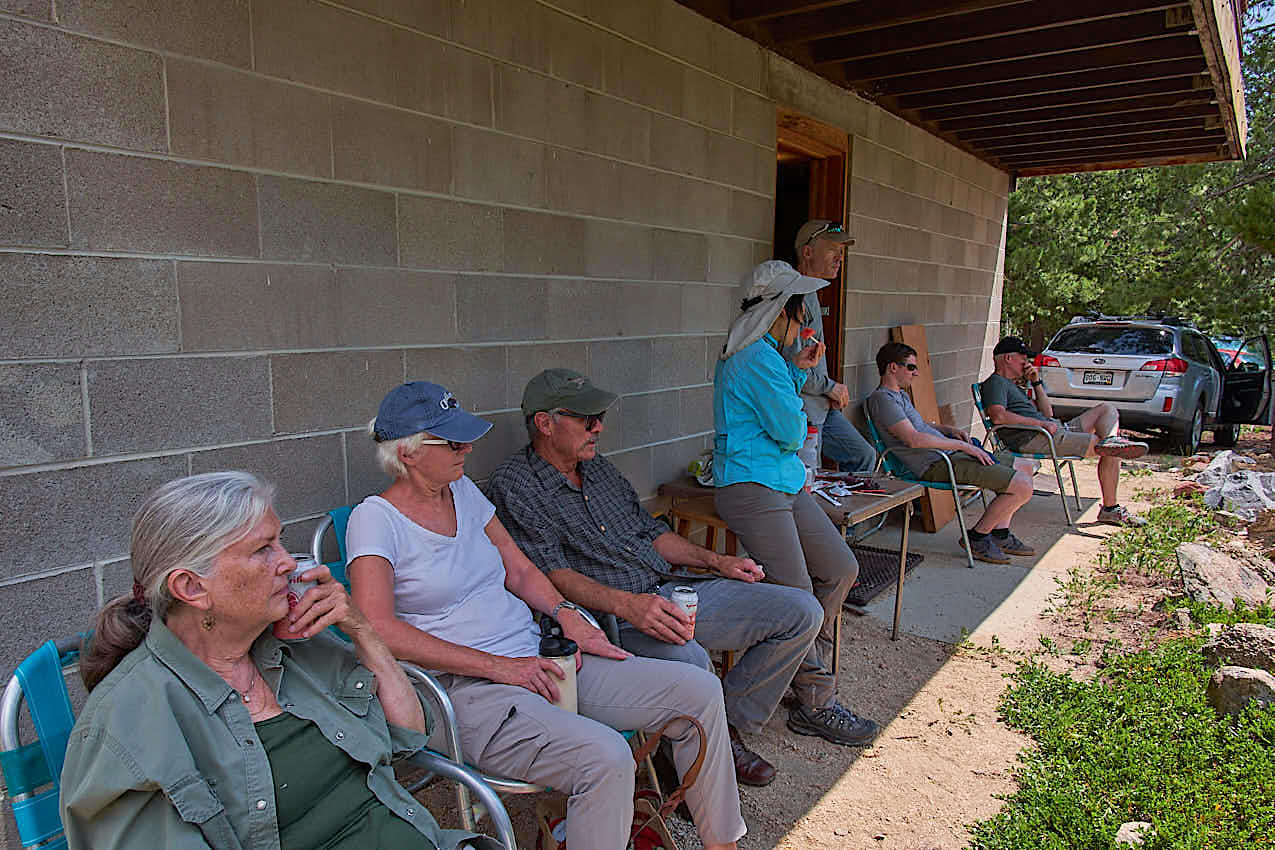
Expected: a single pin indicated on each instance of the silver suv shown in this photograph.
(1161, 374)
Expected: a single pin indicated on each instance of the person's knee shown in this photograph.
(610, 766)
(1020, 487)
(700, 692)
(805, 613)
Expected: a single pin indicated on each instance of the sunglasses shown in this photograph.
(451, 444)
(590, 420)
(911, 367)
(827, 228)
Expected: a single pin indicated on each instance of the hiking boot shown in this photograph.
(1011, 545)
(1119, 515)
(985, 549)
(750, 768)
(836, 723)
(1120, 447)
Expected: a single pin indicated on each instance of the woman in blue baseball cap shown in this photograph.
(445, 585)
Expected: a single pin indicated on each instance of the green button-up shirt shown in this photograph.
(165, 753)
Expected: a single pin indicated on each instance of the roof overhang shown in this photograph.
(1030, 86)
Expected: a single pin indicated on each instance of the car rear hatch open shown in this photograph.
(1110, 361)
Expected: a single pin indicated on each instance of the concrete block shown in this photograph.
(713, 344)
(669, 461)
(708, 308)
(147, 405)
(527, 361)
(228, 116)
(339, 389)
(751, 215)
(45, 608)
(60, 306)
(696, 410)
(636, 73)
(250, 307)
(467, 85)
(624, 17)
(539, 243)
(648, 196)
(706, 100)
(513, 30)
(737, 58)
(39, 9)
(306, 221)
(475, 374)
(32, 198)
(707, 206)
(681, 32)
(523, 98)
(395, 307)
(501, 308)
(729, 259)
(616, 128)
(651, 417)
(677, 361)
(308, 473)
(680, 146)
(617, 250)
(576, 49)
(739, 163)
(507, 435)
(518, 179)
(581, 183)
(102, 499)
(375, 144)
(431, 16)
(648, 309)
(209, 29)
(363, 473)
(41, 413)
(680, 256)
(441, 234)
(612, 437)
(584, 309)
(67, 87)
(635, 466)
(116, 578)
(127, 203)
(621, 366)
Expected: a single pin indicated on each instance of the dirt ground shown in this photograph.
(943, 756)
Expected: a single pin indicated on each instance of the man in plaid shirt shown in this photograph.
(577, 518)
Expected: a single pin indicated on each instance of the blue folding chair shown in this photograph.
(888, 458)
(1059, 461)
(32, 772)
(336, 521)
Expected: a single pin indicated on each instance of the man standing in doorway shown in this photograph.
(821, 246)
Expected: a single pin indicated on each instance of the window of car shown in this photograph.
(1194, 347)
(1113, 339)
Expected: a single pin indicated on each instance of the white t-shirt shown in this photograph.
(450, 587)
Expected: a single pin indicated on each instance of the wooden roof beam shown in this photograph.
(1201, 141)
(757, 11)
(1100, 154)
(1199, 112)
(1114, 164)
(867, 15)
(1178, 47)
(1163, 103)
(1097, 94)
(1009, 146)
(1076, 81)
(1219, 38)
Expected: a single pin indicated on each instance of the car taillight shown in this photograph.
(1169, 366)
(1045, 360)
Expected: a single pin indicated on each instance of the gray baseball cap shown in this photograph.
(563, 388)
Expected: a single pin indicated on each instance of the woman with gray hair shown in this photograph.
(202, 729)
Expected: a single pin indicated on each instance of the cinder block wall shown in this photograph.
(227, 227)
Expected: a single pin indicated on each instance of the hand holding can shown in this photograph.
(296, 589)
(685, 597)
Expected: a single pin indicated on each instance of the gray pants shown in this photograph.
(798, 546)
(774, 626)
(510, 731)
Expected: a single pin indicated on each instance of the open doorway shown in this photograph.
(810, 182)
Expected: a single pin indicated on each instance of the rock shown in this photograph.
(1210, 576)
(1246, 493)
(1232, 688)
(1218, 468)
(1183, 617)
(1263, 522)
(1214, 629)
(1242, 645)
(1134, 832)
(1188, 488)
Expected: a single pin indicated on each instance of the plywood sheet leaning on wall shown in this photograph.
(937, 507)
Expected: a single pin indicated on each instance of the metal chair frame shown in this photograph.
(47, 838)
(1059, 461)
(895, 466)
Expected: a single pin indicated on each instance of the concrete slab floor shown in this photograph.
(945, 600)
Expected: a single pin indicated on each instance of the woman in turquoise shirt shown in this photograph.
(760, 481)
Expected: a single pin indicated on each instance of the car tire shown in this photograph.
(1187, 440)
(1226, 435)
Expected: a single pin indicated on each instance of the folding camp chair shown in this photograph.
(1059, 461)
(32, 772)
(888, 458)
(336, 520)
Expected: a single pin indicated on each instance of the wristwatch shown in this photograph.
(1037, 383)
(564, 604)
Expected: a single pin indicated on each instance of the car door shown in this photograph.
(1246, 384)
(1205, 380)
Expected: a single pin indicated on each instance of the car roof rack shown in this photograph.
(1157, 318)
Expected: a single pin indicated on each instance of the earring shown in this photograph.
(208, 621)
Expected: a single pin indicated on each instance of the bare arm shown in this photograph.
(1040, 397)
(676, 549)
(915, 439)
(1001, 416)
(648, 612)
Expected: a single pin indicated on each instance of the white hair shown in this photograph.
(387, 450)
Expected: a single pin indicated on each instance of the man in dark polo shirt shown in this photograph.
(577, 518)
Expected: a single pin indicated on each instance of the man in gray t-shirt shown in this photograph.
(922, 447)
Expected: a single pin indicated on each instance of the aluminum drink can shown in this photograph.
(296, 589)
(685, 597)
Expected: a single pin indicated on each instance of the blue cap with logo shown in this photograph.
(421, 406)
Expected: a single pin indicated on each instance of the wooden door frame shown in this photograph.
(828, 149)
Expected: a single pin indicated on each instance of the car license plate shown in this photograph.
(1103, 378)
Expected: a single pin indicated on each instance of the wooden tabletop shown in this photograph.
(849, 509)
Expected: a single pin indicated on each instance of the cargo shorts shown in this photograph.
(994, 477)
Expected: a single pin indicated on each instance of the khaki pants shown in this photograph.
(510, 731)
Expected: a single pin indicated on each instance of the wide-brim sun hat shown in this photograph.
(420, 406)
(765, 290)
